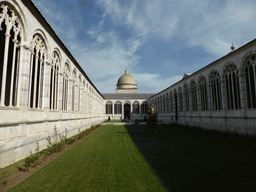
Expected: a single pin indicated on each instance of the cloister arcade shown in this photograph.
(125, 109)
(42, 86)
(220, 96)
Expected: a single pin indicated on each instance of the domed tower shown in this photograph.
(126, 84)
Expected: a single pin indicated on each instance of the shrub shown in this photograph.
(69, 141)
(109, 119)
(57, 147)
(31, 161)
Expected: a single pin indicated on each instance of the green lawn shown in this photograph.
(125, 158)
(107, 160)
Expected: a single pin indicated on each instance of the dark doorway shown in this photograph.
(127, 110)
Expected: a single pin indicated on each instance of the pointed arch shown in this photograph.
(250, 79)
(109, 106)
(193, 95)
(232, 86)
(135, 107)
(10, 35)
(144, 107)
(215, 85)
(203, 93)
(118, 107)
(66, 72)
(186, 93)
(37, 69)
(180, 99)
(54, 80)
(73, 89)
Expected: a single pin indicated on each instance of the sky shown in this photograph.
(156, 40)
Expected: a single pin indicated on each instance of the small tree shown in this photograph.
(152, 120)
(109, 118)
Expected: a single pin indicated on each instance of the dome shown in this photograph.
(126, 84)
(126, 79)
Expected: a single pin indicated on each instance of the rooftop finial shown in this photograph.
(233, 46)
(126, 71)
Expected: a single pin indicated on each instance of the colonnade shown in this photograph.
(222, 94)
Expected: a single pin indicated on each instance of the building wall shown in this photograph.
(38, 105)
(230, 115)
(113, 116)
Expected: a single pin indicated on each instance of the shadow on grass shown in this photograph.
(190, 159)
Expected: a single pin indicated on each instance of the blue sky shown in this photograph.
(157, 40)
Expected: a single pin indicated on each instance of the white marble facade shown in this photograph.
(43, 85)
(219, 96)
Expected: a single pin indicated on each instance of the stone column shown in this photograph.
(113, 108)
(122, 109)
(60, 89)
(23, 81)
(6, 50)
(190, 100)
(76, 98)
(209, 97)
(223, 94)
(131, 110)
(69, 104)
(242, 91)
(15, 41)
(184, 101)
(198, 92)
(46, 90)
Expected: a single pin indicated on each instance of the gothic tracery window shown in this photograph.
(144, 107)
(171, 102)
(84, 95)
(79, 93)
(180, 99)
(73, 91)
(232, 87)
(10, 39)
(193, 95)
(186, 93)
(135, 107)
(250, 80)
(203, 93)
(167, 103)
(118, 107)
(65, 88)
(216, 90)
(37, 72)
(109, 107)
(54, 81)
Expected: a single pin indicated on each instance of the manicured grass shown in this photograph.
(113, 121)
(118, 158)
(196, 160)
(107, 160)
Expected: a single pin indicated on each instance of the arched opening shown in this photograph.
(127, 110)
(9, 55)
(118, 107)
